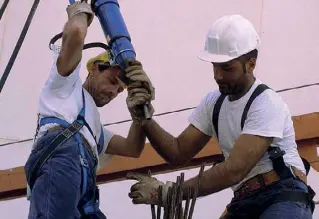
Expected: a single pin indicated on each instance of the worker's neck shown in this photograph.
(237, 96)
(86, 86)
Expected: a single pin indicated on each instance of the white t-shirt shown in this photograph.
(268, 116)
(61, 97)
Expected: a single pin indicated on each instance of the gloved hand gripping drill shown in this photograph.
(80, 7)
(140, 92)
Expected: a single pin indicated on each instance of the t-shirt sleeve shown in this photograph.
(266, 116)
(108, 135)
(61, 86)
(201, 117)
(103, 157)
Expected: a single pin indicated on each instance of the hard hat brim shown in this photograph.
(208, 57)
(102, 57)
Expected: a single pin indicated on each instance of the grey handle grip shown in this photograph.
(147, 113)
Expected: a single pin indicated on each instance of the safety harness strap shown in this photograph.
(259, 90)
(100, 144)
(90, 203)
(46, 154)
(216, 111)
(69, 131)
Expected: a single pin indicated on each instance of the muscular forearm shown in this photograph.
(136, 140)
(213, 180)
(244, 156)
(163, 142)
(74, 34)
(78, 24)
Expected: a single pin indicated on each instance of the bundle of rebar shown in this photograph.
(173, 208)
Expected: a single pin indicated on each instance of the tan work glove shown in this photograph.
(137, 96)
(145, 191)
(81, 7)
(135, 73)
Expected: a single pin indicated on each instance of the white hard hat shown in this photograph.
(229, 37)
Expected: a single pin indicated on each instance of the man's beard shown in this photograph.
(230, 90)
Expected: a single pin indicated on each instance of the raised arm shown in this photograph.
(175, 150)
(74, 32)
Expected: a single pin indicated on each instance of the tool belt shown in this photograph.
(265, 179)
(251, 200)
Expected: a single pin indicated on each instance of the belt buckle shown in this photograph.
(243, 190)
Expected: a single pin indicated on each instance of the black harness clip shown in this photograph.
(275, 153)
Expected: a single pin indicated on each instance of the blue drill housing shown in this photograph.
(115, 30)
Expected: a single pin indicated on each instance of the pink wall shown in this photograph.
(167, 36)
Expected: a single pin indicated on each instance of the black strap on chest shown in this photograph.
(260, 88)
(216, 111)
(275, 153)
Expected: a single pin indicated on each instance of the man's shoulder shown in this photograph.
(270, 96)
(209, 100)
(272, 102)
(212, 96)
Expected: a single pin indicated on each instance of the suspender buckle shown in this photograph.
(77, 125)
(84, 161)
(67, 133)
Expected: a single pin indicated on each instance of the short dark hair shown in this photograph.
(249, 55)
(244, 58)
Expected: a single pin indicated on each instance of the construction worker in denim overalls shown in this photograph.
(71, 143)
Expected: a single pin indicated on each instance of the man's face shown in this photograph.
(106, 83)
(230, 77)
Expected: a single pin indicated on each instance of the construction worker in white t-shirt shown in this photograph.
(253, 127)
(71, 143)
